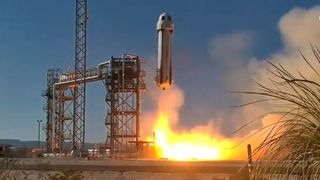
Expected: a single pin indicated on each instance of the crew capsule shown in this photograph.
(164, 70)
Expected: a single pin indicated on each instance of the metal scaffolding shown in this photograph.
(63, 106)
(123, 100)
(53, 76)
(123, 79)
(63, 127)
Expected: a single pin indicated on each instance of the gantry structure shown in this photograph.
(123, 79)
(123, 99)
(66, 97)
(71, 99)
(71, 96)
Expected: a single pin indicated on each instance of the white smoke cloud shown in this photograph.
(233, 53)
(298, 28)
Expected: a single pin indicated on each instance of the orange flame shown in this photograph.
(189, 146)
(198, 143)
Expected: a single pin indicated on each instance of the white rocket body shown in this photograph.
(164, 71)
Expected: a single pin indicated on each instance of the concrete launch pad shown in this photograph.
(74, 164)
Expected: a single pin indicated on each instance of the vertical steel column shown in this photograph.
(80, 69)
(52, 78)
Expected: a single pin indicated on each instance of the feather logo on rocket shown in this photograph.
(164, 70)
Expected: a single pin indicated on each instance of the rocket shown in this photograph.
(164, 70)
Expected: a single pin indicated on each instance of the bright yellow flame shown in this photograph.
(188, 146)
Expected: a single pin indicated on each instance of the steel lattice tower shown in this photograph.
(52, 78)
(80, 69)
(123, 99)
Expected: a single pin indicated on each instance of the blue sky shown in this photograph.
(39, 34)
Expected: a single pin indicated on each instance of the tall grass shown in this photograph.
(291, 148)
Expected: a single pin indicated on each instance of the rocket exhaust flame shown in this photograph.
(199, 143)
(202, 142)
(188, 146)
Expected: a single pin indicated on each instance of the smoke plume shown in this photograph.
(233, 54)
